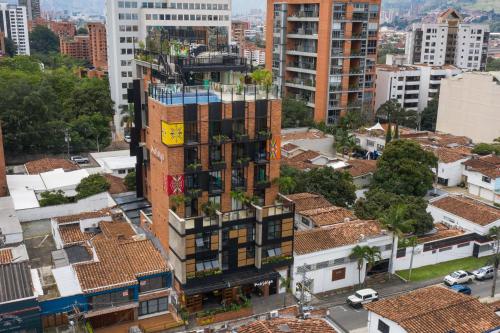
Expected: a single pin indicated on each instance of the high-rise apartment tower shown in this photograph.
(14, 25)
(324, 53)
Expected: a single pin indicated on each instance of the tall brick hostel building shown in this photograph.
(207, 155)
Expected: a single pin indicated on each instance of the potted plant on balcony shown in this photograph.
(218, 165)
(264, 134)
(177, 200)
(210, 208)
(240, 136)
(220, 138)
(193, 193)
(242, 161)
(195, 166)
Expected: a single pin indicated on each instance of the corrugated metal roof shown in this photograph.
(15, 282)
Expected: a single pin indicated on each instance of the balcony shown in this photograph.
(261, 157)
(219, 139)
(261, 183)
(305, 33)
(217, 165)
(238, 184)
(193, 193)
(308, 84)
(304, 16)
(301, 67)
(193, 166)
(178, 94)
(240, 136)
(359, 35)
(307, 51)
(262, 134)
(240, 214)
(215, 186)
(241, 162)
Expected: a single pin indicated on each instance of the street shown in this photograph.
(354, 320)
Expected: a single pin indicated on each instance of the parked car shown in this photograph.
(127, 138)
(458, 277)
(361, 297)
(79, 159)
(484, 273)
(461, 288)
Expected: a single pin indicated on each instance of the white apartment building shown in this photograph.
(255, 56)
(468, 106)
(206, 22)
(14, 24)
(448, 41)
(413, 86)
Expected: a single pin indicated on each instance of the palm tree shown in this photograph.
(262, 77)
(344, 141)
(395, 221)
(127, 117)
(358, 253)
(410, 242)
(285, 282)
(372, 255)
(494, 232)
(286, 184)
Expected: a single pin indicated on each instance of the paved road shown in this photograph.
(354, 320)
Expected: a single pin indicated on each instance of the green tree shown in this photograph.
(410, 242)
(429, 115)
(404, 168)
(393, 112)
(43, 40)
(486, 149)
(262, 77)
(10, 47)
(493, 64)
(285, 282)
(295, 113)
(376, 202)
(91, 185)
(127, 118)
(82, 31)
(345, 142)
(129, 181)
(395, 220)
(365, 255)
(286, 184)
(337, 187)
(51, 198)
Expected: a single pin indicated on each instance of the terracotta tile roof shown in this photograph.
(289, 325)
(336, 235)
(448, 155)
(289, 147)
(49, 164)
(469, 209)
(71, 234)
(120, 263)
(359, 168)
(307, 201)
(117, 230)
(442, 232)
(436, 309)
(83, 216)
(328, 216)
(302, 161)
(116, 184)
(302, 135)
(442, 140)
(487, 165)
(5, 256)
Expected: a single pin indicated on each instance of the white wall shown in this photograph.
(322, 278)
(452, 171)
(95, 202)
(433, 257)
(373, 320)
(365, 138)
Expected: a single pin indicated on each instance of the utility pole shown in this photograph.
(303, 283)
(67, 139)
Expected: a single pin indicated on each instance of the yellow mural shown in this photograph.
(172, 134)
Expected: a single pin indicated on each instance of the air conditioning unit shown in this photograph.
(274, 314)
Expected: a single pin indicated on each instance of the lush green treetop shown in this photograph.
(405, 168)
(43, 40)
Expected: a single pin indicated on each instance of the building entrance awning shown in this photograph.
(229, 281)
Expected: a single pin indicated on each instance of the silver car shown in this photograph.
(484, 273)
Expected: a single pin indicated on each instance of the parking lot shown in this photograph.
(354, 320)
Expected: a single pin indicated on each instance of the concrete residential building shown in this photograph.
(413, 86)
(324, 53)
(201, 143)
(32, 8)
(325, 254)
(430, 310)
(482, 177)
(63, 29)
(238, 30)
(98, 45)
(468, 105)
(130, 22)
(78, 47)
(14, 25)
(449, 41)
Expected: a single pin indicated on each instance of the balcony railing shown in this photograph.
(173, 94)
(238, 214)
(302, 65)
(307, 49)
(305, 31)
(302, 82)
(300, 14)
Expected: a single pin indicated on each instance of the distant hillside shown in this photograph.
(485, 5)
